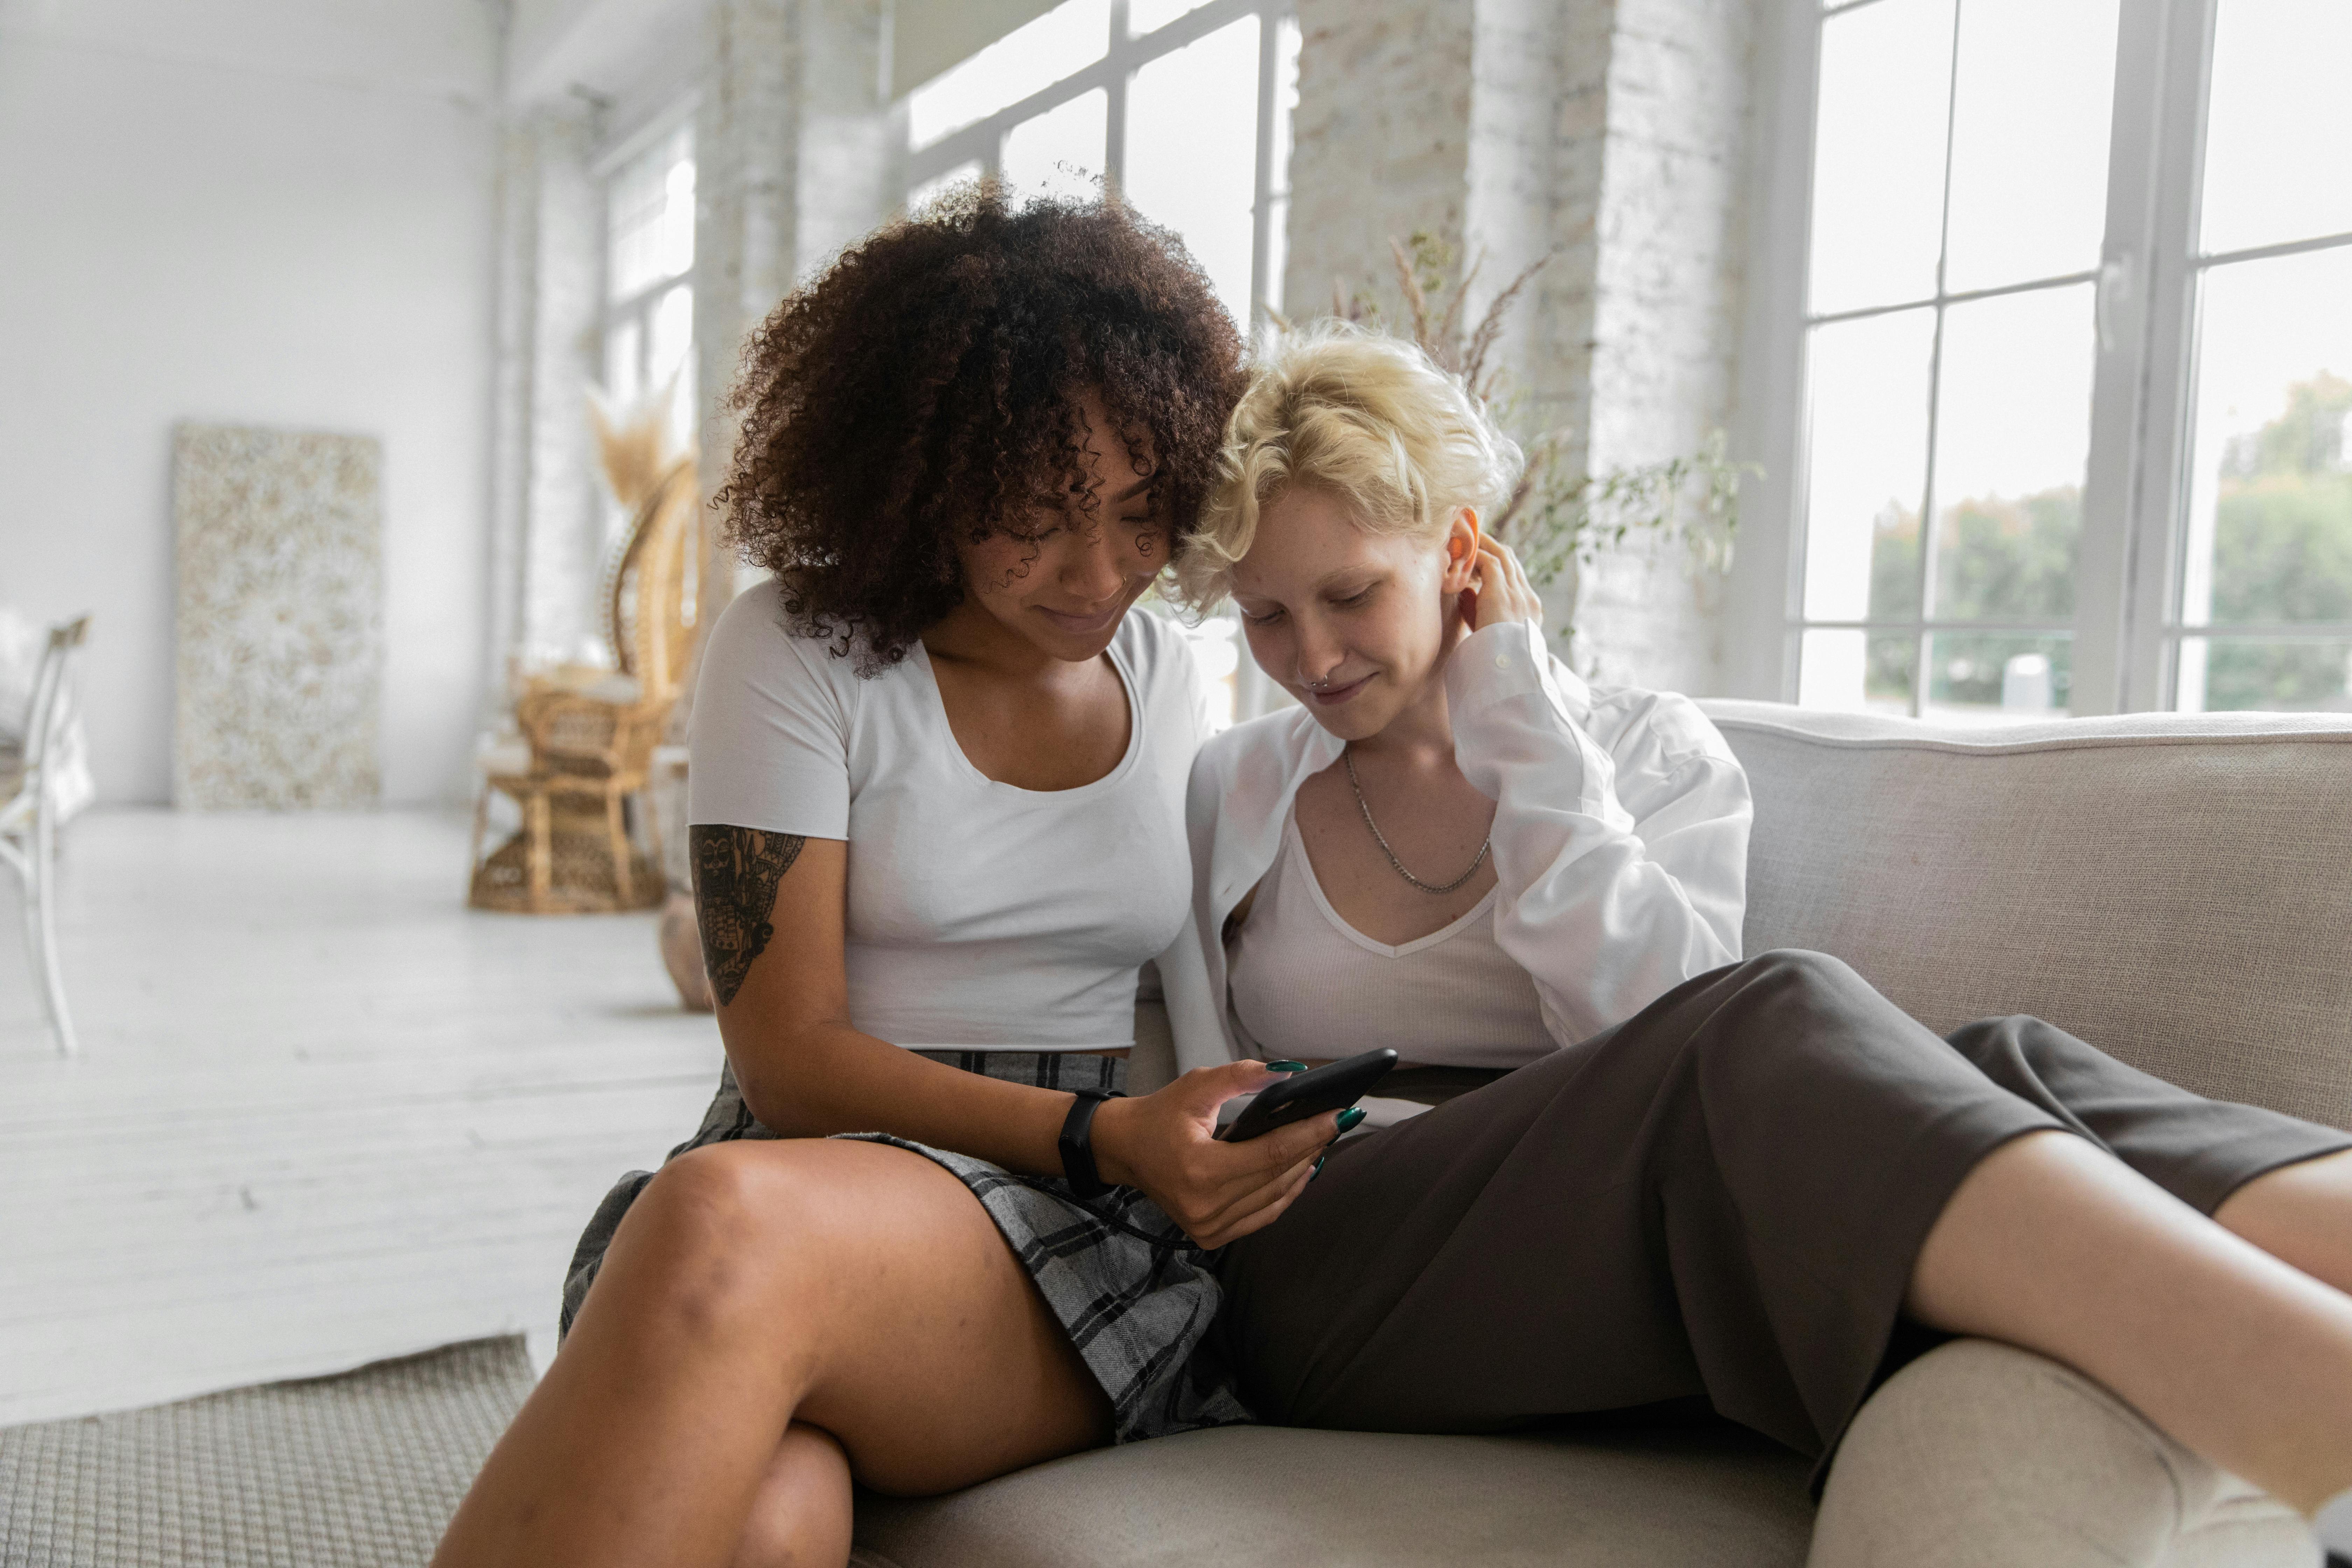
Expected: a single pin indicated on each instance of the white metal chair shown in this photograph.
(28, 820)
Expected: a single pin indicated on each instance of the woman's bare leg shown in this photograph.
(2301, 1212)
(2053, 1244)
(801, 1517)
(855, 1286)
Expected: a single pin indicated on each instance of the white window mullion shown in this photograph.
(1783, 423)
(1122, 50)
(1269, 46)
(2159, 474)
(2120, 382)
(1931, 500)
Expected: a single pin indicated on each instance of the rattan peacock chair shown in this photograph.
(584, 747)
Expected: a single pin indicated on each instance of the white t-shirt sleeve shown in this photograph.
(770, 737)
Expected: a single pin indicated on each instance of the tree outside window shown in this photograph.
(2074, 352)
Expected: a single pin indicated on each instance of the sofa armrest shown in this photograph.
(1980, 1455)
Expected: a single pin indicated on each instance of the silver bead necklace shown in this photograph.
(1349, 757)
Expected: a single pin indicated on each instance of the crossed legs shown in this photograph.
(773, 1317)
(2235, 1337)
(776, 1317)
(1736, 1193)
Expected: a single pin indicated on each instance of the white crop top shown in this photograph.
(1304, 982)
(981, 916)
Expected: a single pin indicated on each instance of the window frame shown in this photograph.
(2128, 628)
(982, 142)
(638, 308)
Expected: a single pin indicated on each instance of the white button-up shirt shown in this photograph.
(1619, 836)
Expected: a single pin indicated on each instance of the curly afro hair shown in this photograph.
(926, 387)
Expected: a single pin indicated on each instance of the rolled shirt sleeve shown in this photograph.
(1621, 829)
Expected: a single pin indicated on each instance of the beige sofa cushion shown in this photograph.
(2174, 889)
(1975, 1455)
(1271, 1497)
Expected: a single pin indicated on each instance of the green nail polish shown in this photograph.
(1350, 1117)
(1288, 1067)
(1318, 1166)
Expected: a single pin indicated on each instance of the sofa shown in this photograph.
(2174, 889)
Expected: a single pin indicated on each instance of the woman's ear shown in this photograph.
(1461, 550)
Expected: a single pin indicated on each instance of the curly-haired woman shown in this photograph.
(1649, 1171)
(936, 827)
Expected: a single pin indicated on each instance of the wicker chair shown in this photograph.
(587, 737)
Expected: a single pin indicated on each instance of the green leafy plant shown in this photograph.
(1559, 515)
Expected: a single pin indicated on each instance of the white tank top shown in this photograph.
(1304, 982)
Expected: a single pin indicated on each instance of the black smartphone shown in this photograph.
(1331, 1086)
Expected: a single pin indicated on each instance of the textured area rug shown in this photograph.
(354, 1471)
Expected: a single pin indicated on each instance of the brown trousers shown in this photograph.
(1720, 1198)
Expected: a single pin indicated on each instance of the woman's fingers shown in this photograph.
(1166, 1144)
(1204, 1091)
(1268, 1207)
(1227, 1174)
(1267, 1158)
(1494, 584)
(1504, 592)
(1282, 1167)
(1284, 1147)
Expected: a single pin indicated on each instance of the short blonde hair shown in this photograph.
(1368, 418)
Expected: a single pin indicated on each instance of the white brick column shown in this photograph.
(543, 565)
(1381, 140)
(746, 180)
(1608, 131)
(798, 152)
(1668, 302)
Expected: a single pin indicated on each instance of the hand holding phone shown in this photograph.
(1331, 1086)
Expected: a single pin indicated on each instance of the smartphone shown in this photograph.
(1331, 1086)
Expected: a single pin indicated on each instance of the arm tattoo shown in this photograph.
(736, 870)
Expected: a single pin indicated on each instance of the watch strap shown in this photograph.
(1078, 1146)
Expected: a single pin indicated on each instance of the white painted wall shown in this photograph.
(634, 55)
(276, 211)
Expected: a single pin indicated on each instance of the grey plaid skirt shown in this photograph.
(1136, 1296)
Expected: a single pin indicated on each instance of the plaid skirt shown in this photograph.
(1136, 1296)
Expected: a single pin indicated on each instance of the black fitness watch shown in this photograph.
(1078, 1144)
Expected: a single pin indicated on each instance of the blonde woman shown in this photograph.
(1653, 1170)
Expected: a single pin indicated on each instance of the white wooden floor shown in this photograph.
(323, 1113)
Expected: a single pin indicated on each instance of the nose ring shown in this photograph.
(1316, 685)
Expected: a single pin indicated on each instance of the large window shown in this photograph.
(2077, 325)
(1185, 108)
(648, 276)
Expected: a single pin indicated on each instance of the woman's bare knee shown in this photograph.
(802, 1517)
(721, 1242)
(873, 1284)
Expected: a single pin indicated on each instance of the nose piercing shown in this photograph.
(1316, 685)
